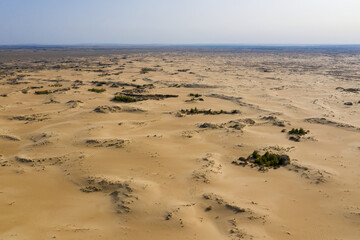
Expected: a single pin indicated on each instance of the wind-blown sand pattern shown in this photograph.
(155, 154)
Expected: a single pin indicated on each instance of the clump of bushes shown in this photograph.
(42, 92)
(297, 131)
(195, 97)
(97, 90)
(269, 160)
(193, 111)
(125, 99)
(146, 70)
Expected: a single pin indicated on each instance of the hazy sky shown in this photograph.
(180, 21)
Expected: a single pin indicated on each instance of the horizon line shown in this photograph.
(178, 45)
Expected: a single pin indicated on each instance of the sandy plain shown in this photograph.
(74, 164)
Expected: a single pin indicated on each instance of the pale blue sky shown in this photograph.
(180, 21)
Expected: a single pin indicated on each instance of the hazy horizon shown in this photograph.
(160, 22)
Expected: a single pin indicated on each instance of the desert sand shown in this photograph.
(75, 164)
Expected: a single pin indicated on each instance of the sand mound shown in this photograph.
(116, 143)
(38, 117)
(9, 137)
(312, 174)
(210, 167)
(324, 121)
(116, 109)
(121, 192)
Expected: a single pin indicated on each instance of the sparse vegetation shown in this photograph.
(56, 85)
(270, 160)
(125, 99)
(42, 92)
(183, 70)
(97, 90)
(146, 70)
(195, 95)
(300, 131)
(193, 111)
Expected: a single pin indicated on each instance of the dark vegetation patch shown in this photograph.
(194, 111)
(194, 97)
(97, 90)
(267, 160)
(41, 92)
(122, 84)
(133, 97)
(183, 70)
(146, 70)
(298, 131)
(352, 90)
(125, 99)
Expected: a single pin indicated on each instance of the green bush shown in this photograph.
(125, 99)
(270, 159)
(146, 70)
(267, 160)
(296, 131)
(193, 110)
(207, 112)
(255, 154)
(195, 95)
(97, 90)
(42, 92)
(56, 85)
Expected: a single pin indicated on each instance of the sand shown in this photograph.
(74, 164)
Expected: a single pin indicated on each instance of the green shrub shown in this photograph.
(296, 131)
(270, 159)
(266, 160)
(125, 99)
(146, 70)
(193, 110)
(56, 85)
(195, 95)
(207, 112)
(42, 92)
(97, 90)
(255, 154)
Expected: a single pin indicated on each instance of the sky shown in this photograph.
(179, 22)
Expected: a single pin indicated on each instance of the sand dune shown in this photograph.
(146, 144)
